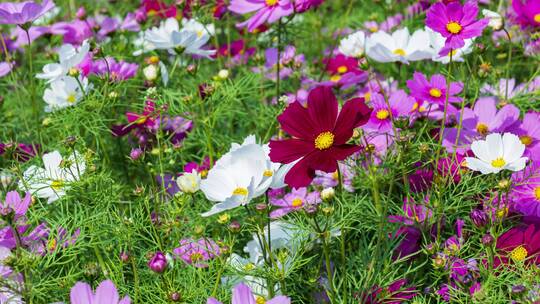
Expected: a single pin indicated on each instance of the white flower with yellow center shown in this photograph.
(400, 46)
(496, 153)
(65, 92)
(69, 57)
(496, 21)
(201, 29)
(52, 181)
(189, 182)
(353, 45)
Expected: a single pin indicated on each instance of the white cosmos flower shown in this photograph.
(497, 153)
(52, 181)
(353, 45)
(169, 37)
(193, 25)
(69, 56)
(437, 42)
(65, 92)
(495, 19)
(242, 174)
(400, 46)
(189, 182)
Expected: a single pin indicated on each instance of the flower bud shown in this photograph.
(150, 72)
(175, 296)
(124, 256)
(224, 218)
(135, 153)
(487, 239)
(158, 263)
(479, 218)
(223, 74)
(234, 226)
(327, 194)
(81, 13)
(260, 207)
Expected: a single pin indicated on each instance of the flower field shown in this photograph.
(270, 151)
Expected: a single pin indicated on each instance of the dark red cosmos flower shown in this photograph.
(519, 244)
(319, 135)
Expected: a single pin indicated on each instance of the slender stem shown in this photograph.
(509, 60)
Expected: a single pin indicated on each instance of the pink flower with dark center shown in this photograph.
(455, 22)
(320, 132)
(265, 11)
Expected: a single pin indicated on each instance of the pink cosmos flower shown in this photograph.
(5, 68)
(434, 90)
(401, 105)
(293, 201)
(24, 12)
(326, 180)
(529, 134)
(455, 22)
(81, 293)
(116, 70)
(242, 294)
(197, 252)
(528, 12)
(519, 244)
(14, 204)
(526, 191)
(266, 11)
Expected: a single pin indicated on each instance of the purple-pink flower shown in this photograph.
(81, 293)
(14, 204)
(115, 70)
(401, 105)
(434, 90)
(455, 22)
(265, 11)
(295, 200)
(196, 252)
(242, 294)
(526, 191)
(24, 12)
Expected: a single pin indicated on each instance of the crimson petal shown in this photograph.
(354, 114)
(287, 151)
(322, 108)
(296, 122)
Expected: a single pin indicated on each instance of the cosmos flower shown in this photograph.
(330, 180)
(81, 293)
(455, 22)
(529, 133)
(400, 46)
(189, 182)
(525, 192)
(434, 90)
(438, 42)
(353, 45)
(519, 244)
(288, 63)
(321, 135)
(13, 203)
(496, 21)
(497, 153)
(265, 11)
(116, 70)
(197, 252)
(52, 181)
(23, 12)
(295, 200)
(506, 89)
(344, 71)
(395, 293)
(401, 105)
(158, 9)
(5, 68)
(242, 294)
(528, 12)
(69, 56)
(65, 92)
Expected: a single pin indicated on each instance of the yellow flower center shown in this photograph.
(57, 184)
(196, 257)
(482, 128)
(260, 300)
(240, 191)
(367, 96)
(498, 163)
(537, 18)
(249, 266)
(382, 114)
(153, 59)
(297, 202)
(519, 254)
(537, 193)
(422, 109)
(335, 175)
(141, 120)
(434, 92)
(415, 106)
(52, 245)
(71, 98)
(452, 53)
(271, 2)
(324, 140)
(400, 52)
(268, 173)
(526, 140)
(342, 69)
(335, 78)
(454, 27)
(373, 29)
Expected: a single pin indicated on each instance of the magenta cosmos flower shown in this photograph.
(197, 252)
(455, 22)
(528, 12)
(15, 204)
(242, 294)
(401, 105)
(266, 11)
(519, 244)
(320, 134)
(296, 200)
(434, 90)
(24, 12)
(116, 70)
(106, 292)
(529, 134)
(526, 191)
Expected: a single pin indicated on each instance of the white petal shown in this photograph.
(513, 147)
(495, 145)
(477, 165)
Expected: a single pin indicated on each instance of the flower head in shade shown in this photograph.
(401, 105)
(496, 153)
(328, 180)
(158, 9)
(265, 11)
(529, 134)
(23, 12)
(105, 293)
(528, 12)
(197, 252)
(400, 46)
(242, 294)
(15, 205)
(19, 151)
(293, 201)
(52, 181)
(506, 89)
(434, 90)
(525, 192)
(116, 71)
(455, 22)
(320, 134)
(519, 244)
(483, 119)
